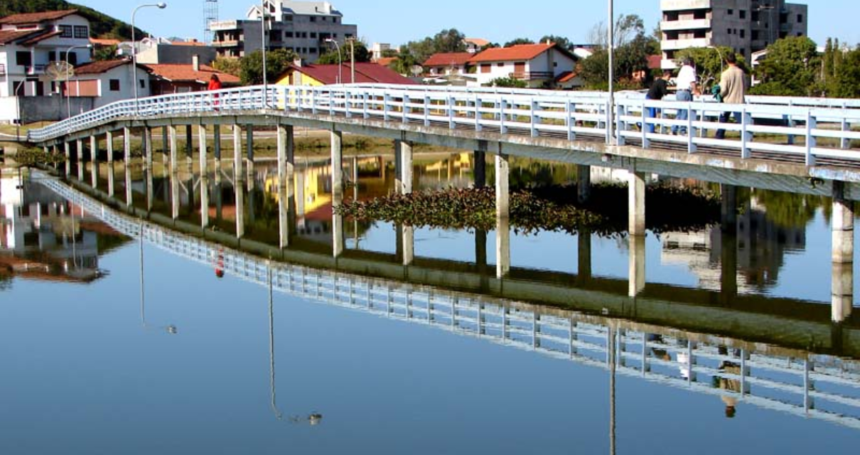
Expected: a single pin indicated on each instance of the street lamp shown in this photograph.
(134, 48)
(339, 60)
(611, 125)
(263, 50)
(68, 88)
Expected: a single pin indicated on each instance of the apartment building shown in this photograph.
(747, 26)
(302, 27)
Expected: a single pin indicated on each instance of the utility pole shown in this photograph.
(352, 59)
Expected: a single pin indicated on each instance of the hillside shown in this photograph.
(103, 26)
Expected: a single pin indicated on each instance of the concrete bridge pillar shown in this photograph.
(204, 201)
(237, 152)
(408, 247)
(583, 183)
(126, 146)
(67, 150)
(843, 254)
(204, 153)
(584, 271)
(285, 152)
(503, 228)
(174, 150)
(94, 148)
(636, 275)
(109, 146)
(480, 159)
(147, 147)
(729, 208)
(165, 144)
(240, 205)
(111, 181)
(636, 203)
(174, 195)
(729, 263)
(150, 189)
(128, 193)
(79, 158)
(285, 208)
(405, 175)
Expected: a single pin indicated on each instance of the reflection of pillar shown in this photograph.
(729, 261)
(636, 274)
(450, 162)
(843, 291)
(337, 236)
(189, 142)
(240, 207)
(249, 144)
(729, 210)
(584, 254)
(174, 195)
(406, 168)
(636, 203)
(94, 153)
(204, 153)
(612, 359)
(237, 152)
(165, 144)
(503, 228)
(67, 150)
(843, 254)
(149, 189)
(204, 201)
(583, 183)
(79, 157)
(216, 144)
(111, 183)
(481, 249)
(174, 151)
(219, 199)
(283, 212)
(147, 147)
(300, 194)
(285, 153)
(128, 193)
(480, 169)
(408, 237)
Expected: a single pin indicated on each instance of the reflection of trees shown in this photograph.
(5, 280)
(789, 210)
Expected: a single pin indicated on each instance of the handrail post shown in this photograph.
(622, 124)
(478, 106)
(568, 124)
(503, 129)
(365, 107)
(426, 109)
(745, 137)
(331, 102)
(645, 142)
(844, 143)
(347, 103)
(451, 102)
(811, 142)
(691, 134)
(533, 111)
(386, 99)
(406, 101)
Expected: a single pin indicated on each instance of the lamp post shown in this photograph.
(611, 123)
(68, 88)
(352, 60)
(263, 50)
(339, 60)
(134, 48)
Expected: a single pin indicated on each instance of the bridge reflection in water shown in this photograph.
(633, 337)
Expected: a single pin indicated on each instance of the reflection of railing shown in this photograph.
(827, 131)
(820, 387)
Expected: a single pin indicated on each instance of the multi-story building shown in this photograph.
(747, 26)
(28, 42)
(302, 27)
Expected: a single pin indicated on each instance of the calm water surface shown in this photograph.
(113, 346)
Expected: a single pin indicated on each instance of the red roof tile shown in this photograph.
(448, 59)
(386, 61)
(10, 36)
(506, 54)
(365, 73)
(101, 67)
(35, 18)
(40, 38)
(186, 73)
(477, 41)
(104, 42)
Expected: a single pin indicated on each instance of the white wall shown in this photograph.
(496, 71)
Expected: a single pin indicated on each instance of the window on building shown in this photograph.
(66, 31)
(486, 68)
(348, 35)
(313, 35)
(314, 50)
(800, 18)
(799, 33)
(288, 34)
(500, 65)
(313, 18)
(73, 58)
(23, 58)
(743, 14)
(729, 31)
(288, 18)
(755, 35)
(335, 20)
(731, 12)
(143, 83)
(82, 31)
(114, 85)
(743, 33)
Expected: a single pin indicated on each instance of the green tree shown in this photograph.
(791, 68)
(561, 41)
(104, 53)
(277, 62)
(632, 48)
(506, 82)
(404, 63)
(709, 62)
(450, 40)
(846, 81)
(518, 41)
(362, 55)
(231, 66)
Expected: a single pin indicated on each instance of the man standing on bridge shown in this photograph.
(686, 82)
(733, 88)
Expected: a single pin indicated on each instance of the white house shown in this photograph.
(446, 64)
(109, 81)
(538, 65)
(474, 45)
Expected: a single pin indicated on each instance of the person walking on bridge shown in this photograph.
(214, 85)
(659, 89)
(687, 88)
(733, 88)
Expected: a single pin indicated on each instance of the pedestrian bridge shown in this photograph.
(636, 343)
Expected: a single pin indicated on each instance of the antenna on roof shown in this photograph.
(210, 15)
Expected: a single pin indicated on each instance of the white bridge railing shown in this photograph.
(806, 128)
(808, 385)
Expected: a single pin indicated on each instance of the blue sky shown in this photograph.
(500, 20)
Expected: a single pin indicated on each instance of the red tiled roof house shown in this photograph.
(536, 64)
(446, 64)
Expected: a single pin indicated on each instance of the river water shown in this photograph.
(184, 344)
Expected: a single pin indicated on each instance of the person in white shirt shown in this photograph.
(686, 83)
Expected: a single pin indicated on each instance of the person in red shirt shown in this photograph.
(215, 84)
